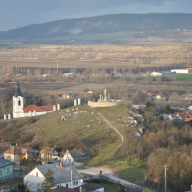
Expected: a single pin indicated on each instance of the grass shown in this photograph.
(182, 77)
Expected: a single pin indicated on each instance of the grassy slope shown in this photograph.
(99, 138)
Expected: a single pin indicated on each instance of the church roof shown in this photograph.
(18, 90)
(31, 108)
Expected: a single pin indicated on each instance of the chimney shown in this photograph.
(25, 143)
(61, 164)
(2, 141)
(80, 189)
(16, 144)
(74, 149)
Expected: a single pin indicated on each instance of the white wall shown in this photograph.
(32, 181)
(68, 157)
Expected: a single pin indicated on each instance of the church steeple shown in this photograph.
(18, 90)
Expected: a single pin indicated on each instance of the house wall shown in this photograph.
(64, 184)
(12, 157)
(68, 157)
(32, 181)
(6, 175)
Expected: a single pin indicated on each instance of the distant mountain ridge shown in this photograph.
(102, 24)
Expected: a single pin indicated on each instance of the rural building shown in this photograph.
(69, 74)
(7, 75)
(48, 153)
(182, 71)
(19, 110)
(72, 155)
(68, 95)
(161, 96)
(18, 153)
(64, 174)
(90, 187)
(151, 96)
(156, 74)
(6, 169)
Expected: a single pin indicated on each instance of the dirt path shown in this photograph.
(115, 129)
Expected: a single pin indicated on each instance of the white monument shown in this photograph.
(104, 101)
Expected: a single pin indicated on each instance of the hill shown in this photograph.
(143, 25)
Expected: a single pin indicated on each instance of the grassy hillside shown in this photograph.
(83, 128)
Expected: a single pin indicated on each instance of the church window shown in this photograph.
(19, 102)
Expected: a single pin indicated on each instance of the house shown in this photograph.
(90, 187)
(72, 155)
(48, 153)
(19, 110)
(18, 153)
(69, 75)
(3, 147)
(7, 75)
(68, 95)
(161, 96)
(151, 96)
(64, 174)
(6, 169)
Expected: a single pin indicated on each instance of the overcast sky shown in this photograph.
(18, 13)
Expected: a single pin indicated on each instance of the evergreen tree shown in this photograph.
(167, 109)
(48, 182)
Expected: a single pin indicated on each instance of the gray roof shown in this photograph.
(4, 162)
(61, 174)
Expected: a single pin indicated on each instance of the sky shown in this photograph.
(19, 13)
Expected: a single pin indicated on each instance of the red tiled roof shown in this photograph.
(31, 108)
(188, 119)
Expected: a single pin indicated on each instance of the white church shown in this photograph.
(21, 110)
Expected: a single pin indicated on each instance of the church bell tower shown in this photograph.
(18, 103)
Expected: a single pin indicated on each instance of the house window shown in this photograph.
(1, 171)
(36, 174)
(19, 102)
(8, 158)
(76, 182)
(67, 185)
(8, 169)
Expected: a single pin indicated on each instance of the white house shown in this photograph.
(19, 110)
(72, 155)
(65, 175)
(48, 153)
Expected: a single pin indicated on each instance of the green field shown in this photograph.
(182, 77)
